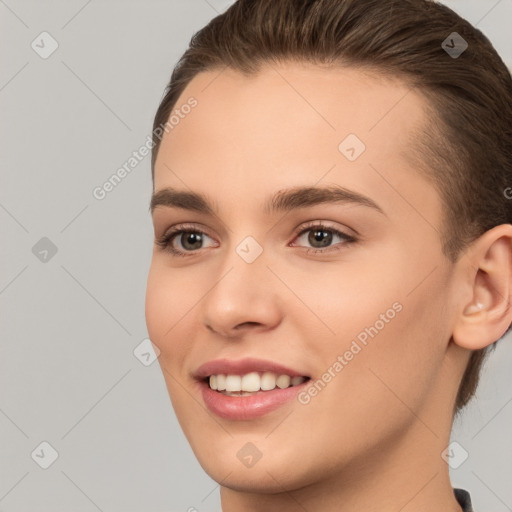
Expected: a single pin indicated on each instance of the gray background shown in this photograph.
(69, 326)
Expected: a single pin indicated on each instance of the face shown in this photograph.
(345, 286)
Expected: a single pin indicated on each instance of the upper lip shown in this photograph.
(243, 366)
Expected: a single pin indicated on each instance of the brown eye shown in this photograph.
(182, 240)
(190, 240)
(320, 237)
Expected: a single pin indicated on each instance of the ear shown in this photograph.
(485, 311)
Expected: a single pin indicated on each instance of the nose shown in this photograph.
(244, 299)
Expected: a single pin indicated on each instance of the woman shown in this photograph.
(332, 257)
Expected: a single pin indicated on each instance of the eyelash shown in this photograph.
(165, 242)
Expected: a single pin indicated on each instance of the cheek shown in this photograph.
(165, 305)
(172, 299)
(168, 300)
(354, 300)
(164, 308)
(401, 358)
(384, 326)
(157, 307)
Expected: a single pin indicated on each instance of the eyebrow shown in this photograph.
(282, 201)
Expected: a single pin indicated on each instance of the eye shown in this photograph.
(189, 237)
(320, 237)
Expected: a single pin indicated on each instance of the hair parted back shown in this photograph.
(465, 149)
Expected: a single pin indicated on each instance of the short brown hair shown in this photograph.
(465, 149)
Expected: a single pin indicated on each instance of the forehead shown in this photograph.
(295, 124)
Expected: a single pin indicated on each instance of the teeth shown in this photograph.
(283, 381)
(297, 380)
(242, 385)
(233, 383)
(268, 381)
(250, 382)
(221, 382)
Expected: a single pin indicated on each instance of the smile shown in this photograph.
(247, 389)
(251, 383)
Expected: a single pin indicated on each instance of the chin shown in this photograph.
(263, 480)
(280, 466)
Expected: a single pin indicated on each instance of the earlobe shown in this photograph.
(486, 311)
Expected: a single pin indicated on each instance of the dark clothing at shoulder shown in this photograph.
(464, 499)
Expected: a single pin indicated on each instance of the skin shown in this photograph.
(384, 420)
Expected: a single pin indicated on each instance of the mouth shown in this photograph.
(249, 388)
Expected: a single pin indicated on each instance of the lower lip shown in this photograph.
(250, 406)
